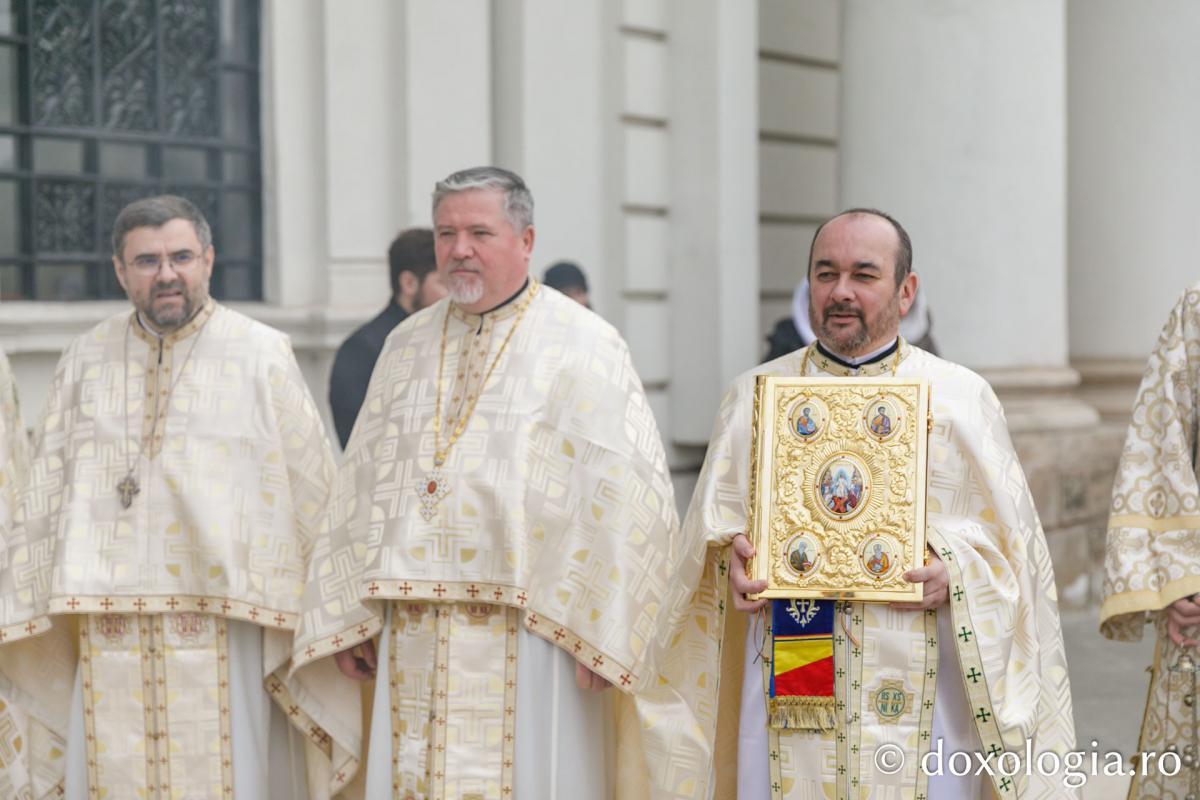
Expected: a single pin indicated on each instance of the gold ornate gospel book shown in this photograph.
(837, 487)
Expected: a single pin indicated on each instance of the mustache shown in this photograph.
(842, 308)
(162, 288)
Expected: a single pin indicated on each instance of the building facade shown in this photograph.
(1040, 152)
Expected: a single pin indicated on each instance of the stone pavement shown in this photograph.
(1108, 687)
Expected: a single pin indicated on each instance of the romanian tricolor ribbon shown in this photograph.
(801, 693)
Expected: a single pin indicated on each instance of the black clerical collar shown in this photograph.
(515, 295)
(498, 312)
(880, 356)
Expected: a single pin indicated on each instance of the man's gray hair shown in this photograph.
(154, 212)
(518, 202)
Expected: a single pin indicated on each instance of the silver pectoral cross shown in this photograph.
(128, 488)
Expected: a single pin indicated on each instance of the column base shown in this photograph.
(1069, 452)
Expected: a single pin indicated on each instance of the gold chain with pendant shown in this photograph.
(434, 487)
(129, 488)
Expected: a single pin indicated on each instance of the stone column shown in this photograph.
(549, 112)
(1134, 169)
(714, 207)
(954, 119)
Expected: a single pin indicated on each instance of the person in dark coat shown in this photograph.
(569, 279)
(415, 284)
(795, 331)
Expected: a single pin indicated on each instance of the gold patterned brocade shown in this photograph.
(1152, 554)
(234, 467)
(982, 523)
(30, 753)
(558, 508)
(156, 705)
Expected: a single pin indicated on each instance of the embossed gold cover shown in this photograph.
(837, 486)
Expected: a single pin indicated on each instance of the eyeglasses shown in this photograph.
(181, 261)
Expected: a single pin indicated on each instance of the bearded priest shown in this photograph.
(153, 573)
(505, 524)
(977, 667)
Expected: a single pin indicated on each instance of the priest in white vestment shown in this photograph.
(1152, 559)
(504, 523)
(24, 744)
(978, 666)
(153, 572)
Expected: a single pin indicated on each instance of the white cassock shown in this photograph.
(547, 537)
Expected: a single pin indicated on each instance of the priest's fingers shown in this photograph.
(933, 574)
(932, 598)
(1175, 631)
(1186, 606)
(741, 585)
(741, 603)
(1183, 619)
(369, 655)
(589, 681)
(739, 581)
(742, 547)
(353, 667)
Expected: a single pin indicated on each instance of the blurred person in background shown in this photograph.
(415, 285)
(568, 278)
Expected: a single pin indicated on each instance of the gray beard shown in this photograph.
(466, 291)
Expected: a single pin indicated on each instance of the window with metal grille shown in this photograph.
(106, 101)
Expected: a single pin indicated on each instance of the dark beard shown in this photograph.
(888, 319)
(170, 319)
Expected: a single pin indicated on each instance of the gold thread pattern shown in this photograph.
(149, 685)
(859, 496)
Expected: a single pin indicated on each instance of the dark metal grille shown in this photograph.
(106, 101)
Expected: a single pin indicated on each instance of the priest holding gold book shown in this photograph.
(848, 695)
